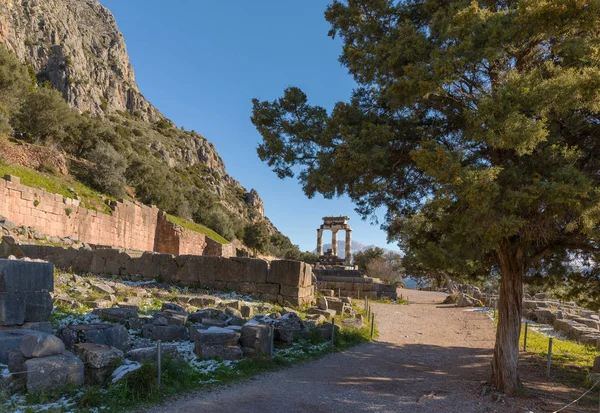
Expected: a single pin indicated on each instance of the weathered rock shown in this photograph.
(352, 323)
(207, 313)
(322, 303)
(165, 333)
(247, 311)
(26, 276)
(15, 360)
(102, 288)
(114, 335)
(41, 345)
(38, 306)
(217, 351)
(47, 373)
(173, 307)
(194, 328)
(217, 336)
(150, 353)
(12, 309)
(11, 340)
(288, 327)
(328, 314)
(173, 317)
(98, 356)
(118, 315)
(256, 337)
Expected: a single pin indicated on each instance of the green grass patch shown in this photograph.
(570, 360)
(57, 184)
(193, 226)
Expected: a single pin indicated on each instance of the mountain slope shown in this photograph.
(75, 47)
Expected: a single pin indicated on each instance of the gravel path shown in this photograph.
(429, 358)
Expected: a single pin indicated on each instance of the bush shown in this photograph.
(108, 173)
(44, 116)
(256, 237)
(221, 223)
(15, 80)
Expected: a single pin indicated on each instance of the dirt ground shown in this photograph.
(429, 358)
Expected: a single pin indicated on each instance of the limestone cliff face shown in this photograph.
(76, 46)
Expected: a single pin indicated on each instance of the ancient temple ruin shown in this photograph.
(335, 224)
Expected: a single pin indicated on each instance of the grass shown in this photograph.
(192, 226)
(569, 359)
(57, 184)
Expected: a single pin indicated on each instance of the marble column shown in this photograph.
(334, 246)
(319, 242)
(348, 246)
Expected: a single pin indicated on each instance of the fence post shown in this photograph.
(332, 332)
(339, 293)
(372, 325)
(271, 352)
(549, 357)
(159, 360)
(525, 337)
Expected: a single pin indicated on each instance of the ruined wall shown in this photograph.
(131, 225)
(285, 282)
(355, 287)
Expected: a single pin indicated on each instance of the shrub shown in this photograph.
(44, 116)
(221, 223)
(15, 80)
(256, 237)
(108, 173)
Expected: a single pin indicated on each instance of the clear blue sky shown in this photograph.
(201, 63)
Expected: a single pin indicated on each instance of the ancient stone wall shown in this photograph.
(285, 282)
(131, 225)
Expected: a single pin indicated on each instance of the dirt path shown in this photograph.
(429, 358)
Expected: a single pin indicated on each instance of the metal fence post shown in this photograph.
(549, 357)
(372, 325)
(525, 337)
(332, 332)
(272, 348)
(159, 361)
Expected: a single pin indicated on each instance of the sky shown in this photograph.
(202, 62)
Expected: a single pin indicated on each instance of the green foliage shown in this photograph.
(282, 247)
(256, 237)
(192, 226)
(362, 258)
(44, 116)
(15, 81)
(107, 174)
(308, 257)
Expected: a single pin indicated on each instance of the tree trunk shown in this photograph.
(505, 374)
(450, 284)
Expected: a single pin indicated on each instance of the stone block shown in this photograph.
(272, 289)
(12, 309)
(294, 273)
(97, 356)
(203, 301)
(53, 372)
(211, 352)
(207, 313)
(257, 337)
(328, 314)
(26, 276)
(11, 340)
(41, 345)
(165, 333)
(242, 270)
(173, 307)
(175, 318)
(114, 335)
(217, 336)
(15, 361)
(38, 307)
(194, 328)
(151, 353)
(300, 292)
(118, 315)
(247, 311)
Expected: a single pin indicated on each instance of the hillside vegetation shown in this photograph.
(122, 156)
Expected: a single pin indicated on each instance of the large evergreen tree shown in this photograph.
(476, 122)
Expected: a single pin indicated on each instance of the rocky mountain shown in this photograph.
(75, 45)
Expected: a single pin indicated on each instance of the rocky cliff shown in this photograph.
(75, 45)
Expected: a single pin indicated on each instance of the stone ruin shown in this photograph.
(337, 276)
(40, 358)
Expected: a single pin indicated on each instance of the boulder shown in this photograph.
(328, 314)
(114, 335)
(289, 327)
(463, 300)
(11, 340)
(26, 276)
(41, 345)
(217, 336)
(256, 337)
(173, 307)
(165, 333)
(52, 372)
(352, 323)
(102, 288)
(150, 353)
(97, 356)
(118, 315)
(217, 351)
